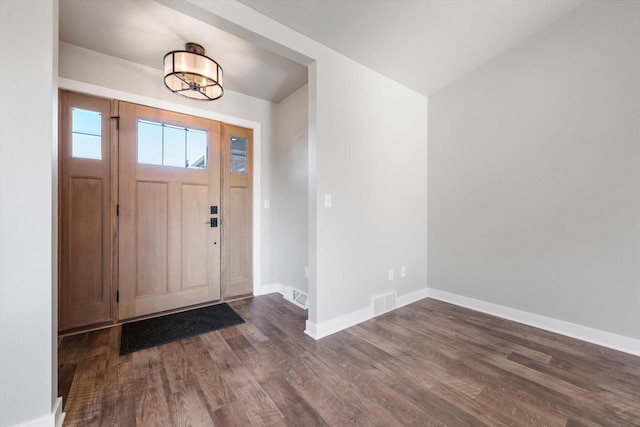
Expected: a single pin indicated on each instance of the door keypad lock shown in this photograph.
(213, 222)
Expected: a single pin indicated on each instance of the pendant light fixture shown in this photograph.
(191, 74)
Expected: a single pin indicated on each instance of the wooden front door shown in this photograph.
(169, 192)
(85, 296)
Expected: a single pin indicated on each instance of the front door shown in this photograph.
(169, 200)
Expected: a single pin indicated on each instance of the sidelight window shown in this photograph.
(86, 134)
(238, 155)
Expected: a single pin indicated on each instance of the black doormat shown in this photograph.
(174, 327)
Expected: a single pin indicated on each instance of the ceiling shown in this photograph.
(423, 44)
(143, 31)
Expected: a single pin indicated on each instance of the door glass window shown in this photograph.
(86, 134)
(168, 145)
(149, 143)
(238, 155)
(175, 143)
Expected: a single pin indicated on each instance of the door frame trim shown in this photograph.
(101, 91)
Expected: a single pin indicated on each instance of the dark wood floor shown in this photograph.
(428, 363)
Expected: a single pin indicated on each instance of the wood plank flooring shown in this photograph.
(429, 363)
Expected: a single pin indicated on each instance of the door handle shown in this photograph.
(213, 222)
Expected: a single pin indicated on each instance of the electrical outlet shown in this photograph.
(391, 274)
(403, 271)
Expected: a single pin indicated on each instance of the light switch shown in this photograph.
(267, 204)
(327, 201)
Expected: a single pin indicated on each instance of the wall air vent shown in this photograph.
(384, 303)
(300, 299)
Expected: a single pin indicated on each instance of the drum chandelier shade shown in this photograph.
(191, 74)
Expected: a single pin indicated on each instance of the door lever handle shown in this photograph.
(213, 222)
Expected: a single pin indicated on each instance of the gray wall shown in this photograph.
(534, 174)
(289, 190)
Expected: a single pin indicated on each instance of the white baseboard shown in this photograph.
(584, 333)
(54, 419)
(411, 297)
(310, 329)
(58, 414)
(271, 288)
(331, 326)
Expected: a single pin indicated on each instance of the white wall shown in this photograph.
(367, 145)
(28, 133)
(290, 190)
(83, 65)
(534, 174)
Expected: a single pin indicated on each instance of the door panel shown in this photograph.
(152, 247)
(238, 245)
(85, 292)
(85, 229)
(237, 211)
(169, 255)
(194, 240)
